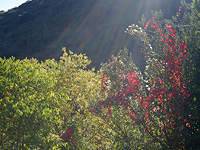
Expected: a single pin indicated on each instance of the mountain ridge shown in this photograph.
(40, 28)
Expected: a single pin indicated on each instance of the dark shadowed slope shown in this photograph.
(40, 28)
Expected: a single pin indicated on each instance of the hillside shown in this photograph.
(40, 28)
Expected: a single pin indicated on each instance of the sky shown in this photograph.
(8, 4)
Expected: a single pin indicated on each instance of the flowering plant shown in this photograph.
(157, 100)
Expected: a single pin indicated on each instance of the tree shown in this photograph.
(39, 101)
(157, 101)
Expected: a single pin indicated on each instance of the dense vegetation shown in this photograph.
(60, 104)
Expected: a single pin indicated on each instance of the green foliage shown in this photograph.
(40, 100)
(26, 103)
(62, 105)
(119, 104)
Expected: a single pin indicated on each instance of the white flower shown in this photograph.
(120, 61)
(150, 46)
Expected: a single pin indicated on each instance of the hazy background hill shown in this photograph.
(40, 28)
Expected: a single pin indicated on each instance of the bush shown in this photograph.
(159, 103)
